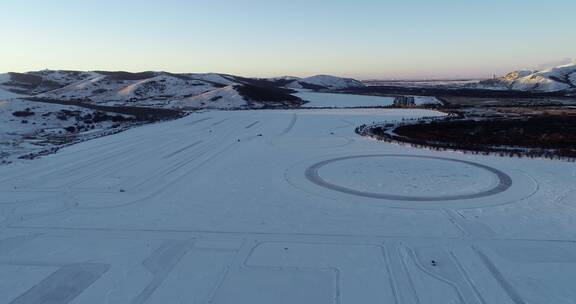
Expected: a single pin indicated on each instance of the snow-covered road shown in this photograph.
(216, 208)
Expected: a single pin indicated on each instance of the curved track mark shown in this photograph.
(504, 181)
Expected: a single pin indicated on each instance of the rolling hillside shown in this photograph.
(562, 78)
(166, 90)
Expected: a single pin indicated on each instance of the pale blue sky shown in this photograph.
(362, 38)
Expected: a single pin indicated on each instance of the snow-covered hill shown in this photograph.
(29, 128)
(114, 90)
(226, 97)
(214, 78)
(562, 78)
(324, 82)
(166, 90)
(33, 83)
(7, 94)
(240, 96)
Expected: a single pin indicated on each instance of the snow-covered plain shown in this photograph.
(217, 207)
(332, 100)
(4, 94)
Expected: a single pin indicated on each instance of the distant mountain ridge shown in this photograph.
(322, 82)
(163, 89)
(561, 78)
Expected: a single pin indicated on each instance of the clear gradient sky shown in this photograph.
(361, 38)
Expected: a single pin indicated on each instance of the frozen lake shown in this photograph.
(325, 100)
(331, 100)
(217, 207)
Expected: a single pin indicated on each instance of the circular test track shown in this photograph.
(313, 175)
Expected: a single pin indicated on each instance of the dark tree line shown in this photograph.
(542, 136)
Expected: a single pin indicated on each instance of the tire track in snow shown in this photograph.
(512, 293)
(290, 125)
(182, 149)
(252, 124)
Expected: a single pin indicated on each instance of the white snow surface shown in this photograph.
(550, 80)
(426, 100)
(24, 135)
(205, 210)
(212, 77)
(325, 81)
(222, 98)
(66, 77)
(288, 78)
(151, 89)
(334, 100)
(435, 177)
(103, 90)
(327, 100)
(165, 86)
(4, 78)
(4, 94)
